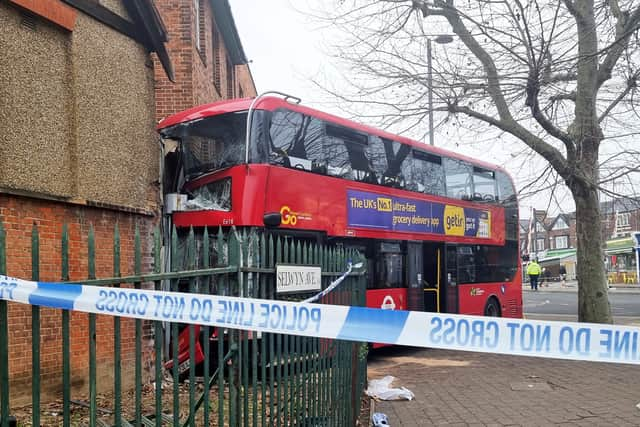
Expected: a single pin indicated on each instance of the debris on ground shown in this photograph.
(378, 419)
(381, 390)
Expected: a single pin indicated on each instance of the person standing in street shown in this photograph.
(546, 273)
(533, 270)
(563, 275)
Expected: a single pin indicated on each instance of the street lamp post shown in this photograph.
(430, 88)
(441, 39)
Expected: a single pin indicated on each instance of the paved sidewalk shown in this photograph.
(572, 286)
(455, 388)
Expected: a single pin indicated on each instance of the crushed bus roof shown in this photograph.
(271, 103)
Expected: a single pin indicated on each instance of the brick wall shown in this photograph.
(204, 89)
(81, 149)
(194, 69)
(172, 97)
(609, 224)
(246, 86)
(18, 215)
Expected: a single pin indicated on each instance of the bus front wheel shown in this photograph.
(492, 309)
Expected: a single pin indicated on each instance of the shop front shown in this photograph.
(621, 259)
(552, 261)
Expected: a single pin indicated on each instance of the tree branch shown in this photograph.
(563, 96)
(631, 84)
(550, 153)
(626, 24)
(506, 122)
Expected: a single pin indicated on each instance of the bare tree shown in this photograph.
(552, 74)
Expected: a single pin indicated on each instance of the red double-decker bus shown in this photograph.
(439, 230)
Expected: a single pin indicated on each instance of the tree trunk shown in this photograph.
(593, 300)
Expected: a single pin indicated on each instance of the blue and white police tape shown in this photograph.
(333, 284)
(575, 341)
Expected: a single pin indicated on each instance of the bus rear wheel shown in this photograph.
(492, 309)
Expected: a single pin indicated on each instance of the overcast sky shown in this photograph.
(282, 46)
(286, 49)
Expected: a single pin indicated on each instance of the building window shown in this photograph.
(562, 242)
(198, 6)
(560, 224)
(539, 245)
(217, 48)
(622, 221)
(230, 79)
(539, 227)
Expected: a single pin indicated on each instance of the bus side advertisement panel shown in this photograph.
(316, 202)
(391, 213)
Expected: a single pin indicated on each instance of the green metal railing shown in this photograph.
(245, 379)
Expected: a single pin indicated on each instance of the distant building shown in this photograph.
(553, 240)
(621, 220)
(550, 240)
(535, 232)
(620, 217)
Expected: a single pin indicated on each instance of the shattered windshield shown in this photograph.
(214, 143)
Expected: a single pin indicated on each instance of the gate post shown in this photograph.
(35, 329)
(4, 341)
(234, 250)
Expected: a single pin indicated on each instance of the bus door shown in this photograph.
(451, 279)
(388, 289)
(433, 277)
(415, 276)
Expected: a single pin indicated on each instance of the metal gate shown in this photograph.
(134, 372)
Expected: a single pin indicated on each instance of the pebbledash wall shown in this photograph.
(79, 147)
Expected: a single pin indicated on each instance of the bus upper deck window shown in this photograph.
(484, 185)
(426, 173)
(210, 143)
(506, 191)
(296, 140)
(375, 153)
(458, 179)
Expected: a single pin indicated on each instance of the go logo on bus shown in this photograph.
(287, 216)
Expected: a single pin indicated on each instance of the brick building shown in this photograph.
(78, 148)
(205, 48)
(621, 220)
(81, 97)
(553, 239)
(620, 217)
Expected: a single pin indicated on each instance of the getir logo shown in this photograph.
(454, 220)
